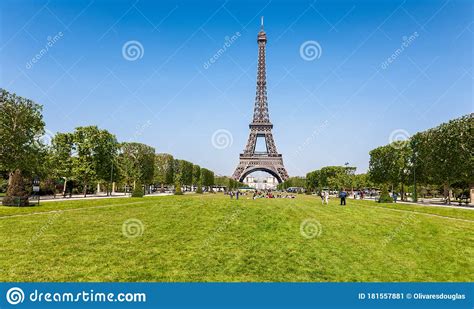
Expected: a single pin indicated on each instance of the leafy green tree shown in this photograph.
(177, 189)
(169, 179)
(95, 152)
(384, 196)
(390, 164)
(177, 167)
(21, 126)
(196, 174)
(361, 181)
(61, 160)
(313, 181)
(186, 172)
(207, 178)
(83, 164)
(443, 155)
(128, 167)
(199, 188)
(138, 190)
(105, 154)
(137, 163)
(293, 182)
(163, 169)
(337, 177)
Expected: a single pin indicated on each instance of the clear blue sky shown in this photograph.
(328, 111)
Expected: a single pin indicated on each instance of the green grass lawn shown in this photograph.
(213, 238)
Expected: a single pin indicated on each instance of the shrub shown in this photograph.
(199, 189)
(16, 192)
(138, 191)
(177, 189)
(385, 196)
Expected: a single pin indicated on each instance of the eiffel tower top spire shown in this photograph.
(260, 112)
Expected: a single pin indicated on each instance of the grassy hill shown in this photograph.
(213, 238)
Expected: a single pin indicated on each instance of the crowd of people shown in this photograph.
(268, 193)
(255, 194)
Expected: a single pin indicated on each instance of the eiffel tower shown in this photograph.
(269, 161)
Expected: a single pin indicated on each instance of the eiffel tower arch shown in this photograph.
(250, 160)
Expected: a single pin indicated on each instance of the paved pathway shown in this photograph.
(435, 204)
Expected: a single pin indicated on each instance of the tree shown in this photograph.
(361, 181)
(313, 181)
(293, 182)
(177, 189)
(105, 154)
(177, 167)
(21, 126)
(196, 174)
(95, 154)
(137, 163)
(207, 178)
(170, 169)
(199, 188)
(336, 177)
(137, 191)
(384, 196)
(61, 162)
(162, 170)
(186, 172)
(390, 164)
(443, 155)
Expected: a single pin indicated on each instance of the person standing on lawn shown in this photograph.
(343, 195)
(395, 197)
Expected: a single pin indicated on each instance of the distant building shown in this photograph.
(261, 183)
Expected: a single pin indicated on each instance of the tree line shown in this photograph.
(438, 157)
(336, 178)
(441, 156)
(85, 157)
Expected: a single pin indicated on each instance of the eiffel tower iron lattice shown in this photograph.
(269, 161)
